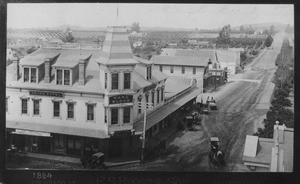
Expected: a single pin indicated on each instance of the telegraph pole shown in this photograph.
(145, 107)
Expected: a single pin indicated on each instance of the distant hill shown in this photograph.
(263, 26)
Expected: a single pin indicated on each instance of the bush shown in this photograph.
(254, 52)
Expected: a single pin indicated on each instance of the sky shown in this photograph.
(91, 15)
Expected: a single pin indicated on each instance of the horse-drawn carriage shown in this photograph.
(93, 161)
(191, 120)
(216, 156)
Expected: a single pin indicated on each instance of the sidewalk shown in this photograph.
(75, 160)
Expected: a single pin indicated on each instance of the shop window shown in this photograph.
(183, 70)
(194, 70)
(26, 74)
(114, 81)
(24, 106)
(161, 68)
(33, 75)
(90, 112)
(56, 109)
(59, 141)
(127, 79)
(105, 81)
(114, 116)
(171, 69)
(126, 115)
(70, 113)
(66, 77)
(36, 107)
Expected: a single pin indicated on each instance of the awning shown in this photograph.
(166, 110)
(32, 133)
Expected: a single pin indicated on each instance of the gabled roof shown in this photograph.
(116, 48)
(39, 56)
(190, 53)
(180, 60)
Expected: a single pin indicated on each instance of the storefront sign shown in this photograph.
(120, 99)
(46, 93)
(148, 88)
(122, 133)
(32, 133)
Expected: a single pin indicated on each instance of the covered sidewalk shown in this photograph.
(168, 108)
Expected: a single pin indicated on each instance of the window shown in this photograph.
(26, 74)
(126, 115)
(153, 93)
(36, 107)
(114, 116)
(70, 107)
(161, 68)
(183, 70)
(149, 71)
(171, 69)
(157, 96)
(105, 81)
(24, 106)
(127, 77)
(147, 97)
(66, 77)
(114, 81)
(59, 77)
(105, 115)
(162, 94)
(33, 75)
(90, 112)
(56, 109)
(59, 141)
(194, 70)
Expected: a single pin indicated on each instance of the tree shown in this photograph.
(266, 32)
(272, 30)
(288, 29)
(269, 41)
(242, 29)
(135, 27)
(224, 35)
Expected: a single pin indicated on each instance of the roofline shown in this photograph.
(182, 65)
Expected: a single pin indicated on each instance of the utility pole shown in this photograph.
(145, 107)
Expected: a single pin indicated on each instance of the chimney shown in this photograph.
(15, 66)
(47, 71)
(81, 65)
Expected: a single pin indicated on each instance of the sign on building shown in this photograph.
(120, 99)
(46, 93)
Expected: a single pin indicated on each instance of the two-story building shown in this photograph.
(70, 101)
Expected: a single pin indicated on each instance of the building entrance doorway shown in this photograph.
(115, 147)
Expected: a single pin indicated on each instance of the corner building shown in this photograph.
(71, 101)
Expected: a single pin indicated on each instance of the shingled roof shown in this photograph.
(190, 53)
(116, 48)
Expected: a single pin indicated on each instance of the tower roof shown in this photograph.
(116, 48)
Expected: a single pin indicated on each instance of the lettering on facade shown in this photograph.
(120, 99)
(148, 88)
(122, 133)
(46, 93)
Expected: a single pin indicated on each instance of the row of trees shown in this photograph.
(284, 84)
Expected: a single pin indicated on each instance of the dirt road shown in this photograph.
(242, 105)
